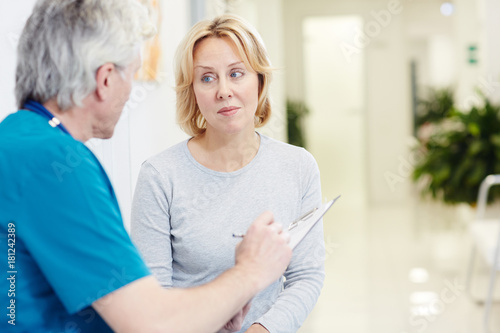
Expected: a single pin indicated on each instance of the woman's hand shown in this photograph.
(236, 322)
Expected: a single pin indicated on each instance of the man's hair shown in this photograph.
(251, 50)
(64, 42)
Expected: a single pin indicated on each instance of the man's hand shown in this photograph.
(264, 253)
(256, 328)
(236, 322)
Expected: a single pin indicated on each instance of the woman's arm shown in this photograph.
(305, 274)
(150, 223)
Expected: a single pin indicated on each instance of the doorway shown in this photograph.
(335, 95)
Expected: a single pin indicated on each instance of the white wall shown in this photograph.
(389, 118)
(467, 29)
(442, 61)
(12, 18)
(488, 17)
(270, 25)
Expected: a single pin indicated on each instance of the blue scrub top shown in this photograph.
(61, 232)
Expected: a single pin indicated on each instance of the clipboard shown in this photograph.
(301, 227)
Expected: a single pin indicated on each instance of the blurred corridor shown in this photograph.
(399, 269)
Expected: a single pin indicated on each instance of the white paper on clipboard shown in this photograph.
(300, 228)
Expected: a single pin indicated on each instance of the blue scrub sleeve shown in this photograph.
(77, 235)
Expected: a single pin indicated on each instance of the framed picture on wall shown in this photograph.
(151, 52)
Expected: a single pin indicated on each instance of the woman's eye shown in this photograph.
(236, 74)
(207, 79)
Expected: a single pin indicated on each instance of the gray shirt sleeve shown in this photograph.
(150, 227)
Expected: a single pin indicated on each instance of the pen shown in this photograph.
(292, 225)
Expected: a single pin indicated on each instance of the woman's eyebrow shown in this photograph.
(211, 68)
(235, 63)
(203, 67)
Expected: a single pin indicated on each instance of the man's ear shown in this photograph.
(104, 80)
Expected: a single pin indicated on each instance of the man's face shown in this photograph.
(121, 86)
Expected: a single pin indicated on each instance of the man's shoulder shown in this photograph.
(30, 144)
(26, 130)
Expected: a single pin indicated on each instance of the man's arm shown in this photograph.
(144, 306)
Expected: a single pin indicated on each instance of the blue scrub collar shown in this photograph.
(38, 108)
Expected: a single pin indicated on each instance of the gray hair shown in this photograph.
(64, 42)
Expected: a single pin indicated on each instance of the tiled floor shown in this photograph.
(399, 270)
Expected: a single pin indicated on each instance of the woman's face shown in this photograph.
(226, 90)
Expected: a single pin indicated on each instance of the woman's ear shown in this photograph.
(104, 81)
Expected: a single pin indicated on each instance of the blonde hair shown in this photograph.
(251, 50)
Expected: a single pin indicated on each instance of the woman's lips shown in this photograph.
(228, 111)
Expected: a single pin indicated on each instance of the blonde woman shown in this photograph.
(191, 197)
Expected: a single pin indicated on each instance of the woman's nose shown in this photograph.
(224, 90)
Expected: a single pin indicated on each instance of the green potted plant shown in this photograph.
(435, 107)
(462, 150)
(296, 111)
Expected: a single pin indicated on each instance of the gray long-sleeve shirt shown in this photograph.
(184, 214)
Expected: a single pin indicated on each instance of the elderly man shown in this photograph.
(71, 266)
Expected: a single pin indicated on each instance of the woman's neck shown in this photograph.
(227, 152)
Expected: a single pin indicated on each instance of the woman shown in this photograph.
(190, 198)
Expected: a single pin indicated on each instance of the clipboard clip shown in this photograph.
(320, 210)
(294, 224)
(304, 217)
